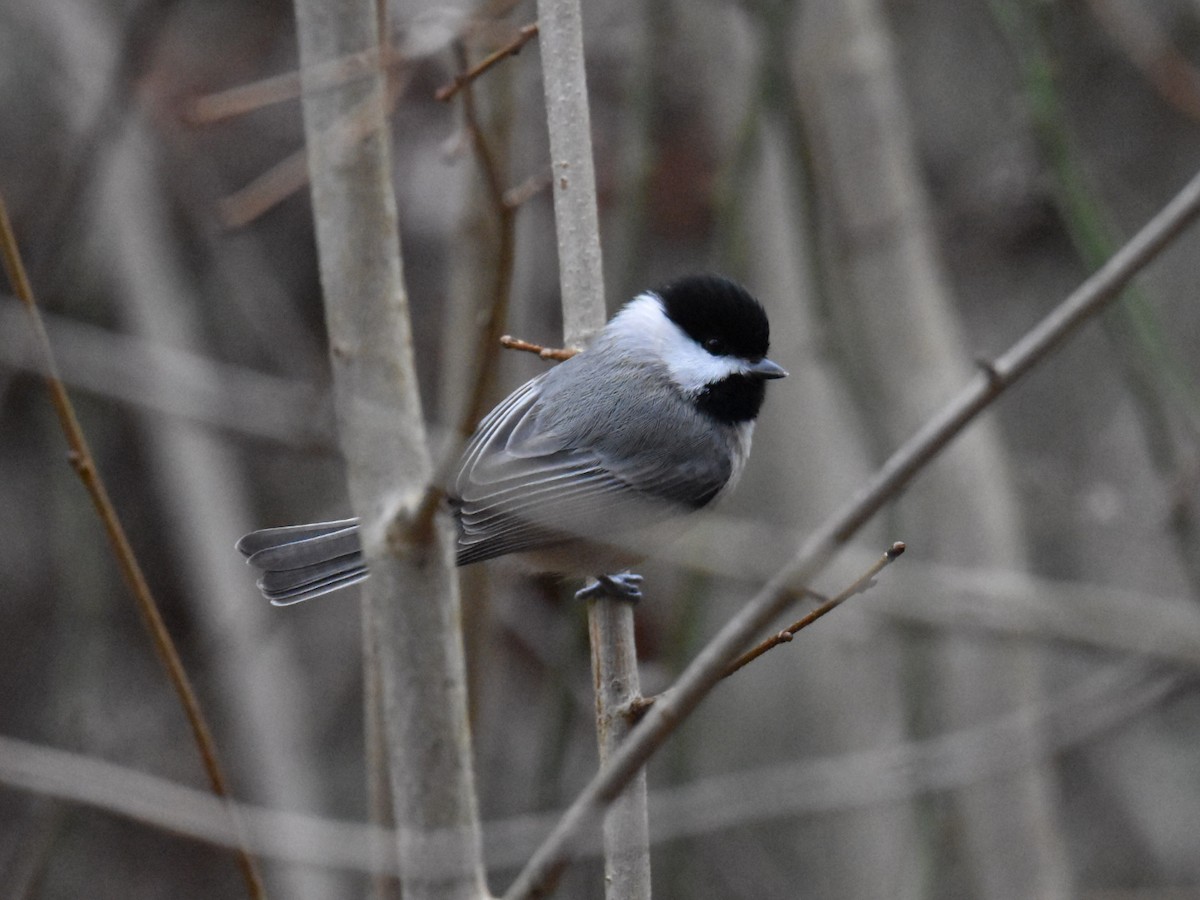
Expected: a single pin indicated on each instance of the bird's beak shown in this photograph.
(764, 368)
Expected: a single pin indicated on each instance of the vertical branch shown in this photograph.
(574, 176)
(615, 672)
(610, 622)
(412, 594)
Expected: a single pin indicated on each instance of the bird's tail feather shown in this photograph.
(300, 562)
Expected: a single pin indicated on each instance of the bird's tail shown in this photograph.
(300, 562)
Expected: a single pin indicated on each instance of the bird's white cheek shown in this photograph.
(692, 368)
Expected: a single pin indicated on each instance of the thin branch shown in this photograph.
(291, 174)
(1101, 289)
(193, 388)
(264, 192)
(639, 706)
(489, 337)
(526, 190)
(576, 218)
(1073, 717)
(447, 91)
(861, 585)
(85, 466)
(508, 342)
(247, 98)
(581, 275)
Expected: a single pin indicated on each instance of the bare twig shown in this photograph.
(527, 189)
(264, 192)
(639, 706)
(581, 275)
(487, 354)
(85, 466)
(447, 91)
(863, 583)
(576, 219)
(506, 233)
(508, 342)
(291, 173)
(247, 98)
(214, 394)
(706, 669)
(1094, 705)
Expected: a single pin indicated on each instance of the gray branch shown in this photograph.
(412, 594)
(707, 668)
(610, 621)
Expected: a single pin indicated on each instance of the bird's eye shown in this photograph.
(715, 346)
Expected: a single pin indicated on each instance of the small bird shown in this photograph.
(577, 470)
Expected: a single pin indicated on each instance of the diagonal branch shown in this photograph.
(1101, 289)
(446, 92)
(84, 464)
(860, 585)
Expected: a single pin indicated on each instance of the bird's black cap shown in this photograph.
(719, 314)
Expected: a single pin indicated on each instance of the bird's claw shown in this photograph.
(625, 586)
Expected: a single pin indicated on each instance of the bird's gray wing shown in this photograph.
(525, 483)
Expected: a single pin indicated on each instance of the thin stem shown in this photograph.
(84, 465)
(861, 584)
(291, 174)
(506, 216)
(508, 342)
(247, 98)
(512, 48)
(581, 274)
(490, 339)
(1097, 292)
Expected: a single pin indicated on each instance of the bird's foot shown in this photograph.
(625, 586)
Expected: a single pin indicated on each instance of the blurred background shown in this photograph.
(1012, 712)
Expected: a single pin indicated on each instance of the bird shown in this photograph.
(581, 468)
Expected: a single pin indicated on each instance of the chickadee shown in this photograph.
(581, 466)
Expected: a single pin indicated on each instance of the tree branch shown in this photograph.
(610, 621)
(706, 669)
(508, 342)
(85, 467)
(863, 583)
(512, 48)
(412, 595)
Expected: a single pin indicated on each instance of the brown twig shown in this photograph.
(508, 342)
(784, 636)
(263, 193)
(512, 48)
(506, 238)
(527, 189)
(501, 293)
(291, 174)
(246, 98)
(82, 461)
(638, 707)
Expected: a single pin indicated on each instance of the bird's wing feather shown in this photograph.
(524, 484)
